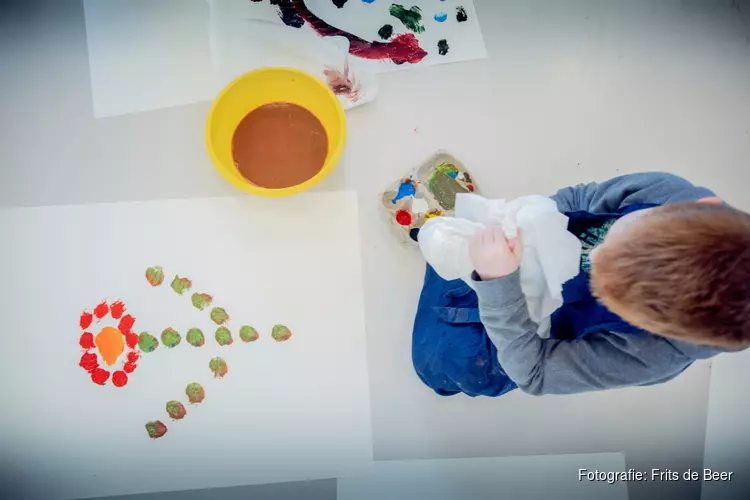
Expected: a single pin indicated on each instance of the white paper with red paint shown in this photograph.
(286, 411)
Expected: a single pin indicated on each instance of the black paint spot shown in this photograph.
(339, 3)
(288, 13)
(386, 31)
(461, 14)
(443, 47)
(414, 234)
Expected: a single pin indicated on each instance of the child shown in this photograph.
(665, 280)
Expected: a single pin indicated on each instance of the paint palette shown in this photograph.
(429, 192)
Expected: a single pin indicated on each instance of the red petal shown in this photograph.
(126, 323)
(99, 376)
(117, 309)
(101, 310)
(133, 356)
(86, 319)
(129, 367)
(119, 378)
(131, 339)
(89, 362)
(87, 340)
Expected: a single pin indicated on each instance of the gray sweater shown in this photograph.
(604, 360)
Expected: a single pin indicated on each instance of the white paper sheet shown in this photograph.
(507, 478)
(727, 428)
(148, 54)
(286, 411)
(364, 19)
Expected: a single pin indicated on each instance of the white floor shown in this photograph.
(571, 92)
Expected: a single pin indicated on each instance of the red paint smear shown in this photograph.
(101, 310)
(470, 188)
(99, 376)
(119, 378)
(86, 319)
(126, 323)
(402, 49)
(131, 339)
(133, 356)
(87, 340)
(117, 309)
(129, 367)
(89, 362)
(403, 217)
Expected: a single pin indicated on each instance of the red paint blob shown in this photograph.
(117, 309)
(101, 310)
(129, 367)
(470, 188)
(126, 323)
(131, 339)
(86, 319)
(87, 340)
(99, 376)
(133, 356)
(403, 217)
(89, 362)
(119, 378)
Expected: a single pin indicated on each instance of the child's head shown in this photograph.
(681, 271)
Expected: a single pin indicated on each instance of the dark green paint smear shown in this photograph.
(156, 429)
(201, 300)
(155, 275)
(170, 338)
(411, 18)
(248, 334)
(219, 367)
(385, 32)
(280, 333)
(223, 336)
(195, 393)
(195, 337)
(147, 343)
(445, 187)
(181, 285)
(176, 410)
(219, 315)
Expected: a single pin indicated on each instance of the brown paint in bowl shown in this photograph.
(279, 145)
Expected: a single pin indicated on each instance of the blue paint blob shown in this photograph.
(407, 188)
(370, 1)
(452, 174)
(440, 17)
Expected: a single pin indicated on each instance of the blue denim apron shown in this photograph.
(451, 351)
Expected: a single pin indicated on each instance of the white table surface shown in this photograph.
(571, 92)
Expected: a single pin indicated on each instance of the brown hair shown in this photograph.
(681, 272)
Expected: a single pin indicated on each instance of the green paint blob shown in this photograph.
(176, 410)
(219, 367)
(223, 336)
(195, 337)
(147, 343)
(156, 429)
(170, 338)
(248, 334)
(195, 393)
(411, 18)
(444, 186)
(181, 285)
(201, 300)
(280, 333)
(155, 275)
(219, 315)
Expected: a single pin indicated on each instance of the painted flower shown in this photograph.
(104, 353)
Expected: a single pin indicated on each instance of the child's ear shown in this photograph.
(713, 200)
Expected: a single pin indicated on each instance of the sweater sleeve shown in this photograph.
(650, 187)
(547, 366)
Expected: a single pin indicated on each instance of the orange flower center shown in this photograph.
(110, 343)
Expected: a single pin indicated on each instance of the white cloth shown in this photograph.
(550, 254)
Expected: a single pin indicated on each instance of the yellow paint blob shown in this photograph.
(111, 343)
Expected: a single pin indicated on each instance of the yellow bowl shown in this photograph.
(263, 86)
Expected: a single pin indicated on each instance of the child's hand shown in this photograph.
(493, 255)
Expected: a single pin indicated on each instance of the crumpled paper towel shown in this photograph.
(550, 254)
